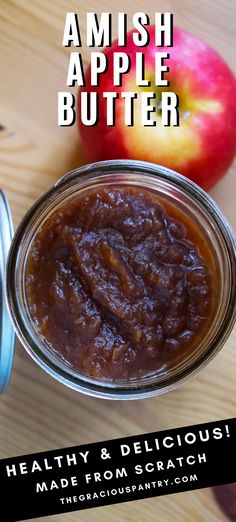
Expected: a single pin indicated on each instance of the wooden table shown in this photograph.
(37, 413)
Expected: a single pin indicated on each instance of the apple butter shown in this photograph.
(120, 283)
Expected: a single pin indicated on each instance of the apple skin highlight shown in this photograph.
(203, 146)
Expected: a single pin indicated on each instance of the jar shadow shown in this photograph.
(51, 415)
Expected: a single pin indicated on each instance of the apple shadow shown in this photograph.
(67, 156)
(76, 158)
(225, 497)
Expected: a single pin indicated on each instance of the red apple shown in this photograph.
(204, 145)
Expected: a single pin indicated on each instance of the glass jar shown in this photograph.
(185, 194)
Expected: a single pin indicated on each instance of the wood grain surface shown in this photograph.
(37, 413)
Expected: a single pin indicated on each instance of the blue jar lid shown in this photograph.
(7, 335)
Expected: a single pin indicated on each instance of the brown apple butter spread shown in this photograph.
(120, 283)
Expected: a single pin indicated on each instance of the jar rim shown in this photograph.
(100, 171)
